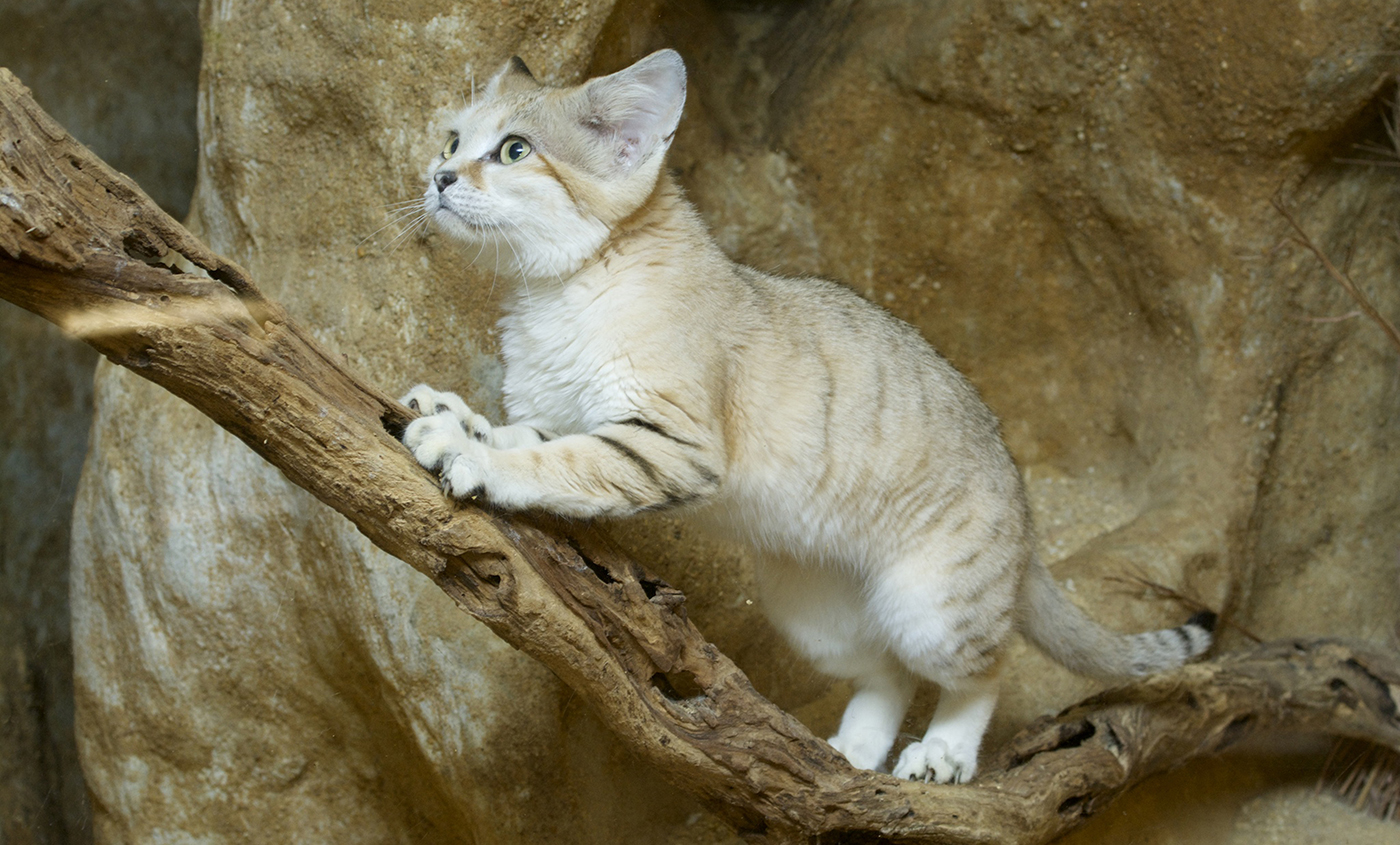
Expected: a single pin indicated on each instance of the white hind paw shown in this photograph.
(933, 760)
(862, 751)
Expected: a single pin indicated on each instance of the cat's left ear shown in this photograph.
(514, 76)
(636, 110)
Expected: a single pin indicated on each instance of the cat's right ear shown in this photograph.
(636, 110)
(513, 77)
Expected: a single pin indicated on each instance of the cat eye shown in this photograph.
(514, 149)
(451, 147)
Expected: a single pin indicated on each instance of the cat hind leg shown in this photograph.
(947, 621)
(872, 717)
(948, 751)
(820, 611)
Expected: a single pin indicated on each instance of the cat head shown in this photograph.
(538, 176)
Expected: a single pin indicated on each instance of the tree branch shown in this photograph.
(85, 248)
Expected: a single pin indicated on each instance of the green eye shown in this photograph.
(451, 147)
(514, 149)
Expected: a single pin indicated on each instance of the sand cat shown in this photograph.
(646, 370)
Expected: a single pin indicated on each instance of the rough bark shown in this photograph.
(84, 247)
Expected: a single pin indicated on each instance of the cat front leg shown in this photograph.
(617, 470)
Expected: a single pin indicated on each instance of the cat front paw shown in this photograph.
(464, 475)
(435, 440)
(934, 760)
(429, 402)
(440, 443)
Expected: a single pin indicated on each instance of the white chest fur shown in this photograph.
(566, 368)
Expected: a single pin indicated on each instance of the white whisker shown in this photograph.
(397, 218)
(519, 265)
(419, 224)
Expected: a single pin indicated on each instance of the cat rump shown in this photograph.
(644, 370)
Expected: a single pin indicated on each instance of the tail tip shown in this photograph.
(1204, 620)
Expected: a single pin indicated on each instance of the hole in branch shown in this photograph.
(393, 424)
(141, 246)
(1077, 805)
(1052, 737)
(677, 686)
(1237, 730)
(1084, 732)
(144, 246)
(1345, 694)
(599, 571)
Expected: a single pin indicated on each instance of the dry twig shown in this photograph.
(1339, 276)
(1162, 591)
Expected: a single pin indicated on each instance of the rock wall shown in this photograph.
(129, 93)
(1070, 199)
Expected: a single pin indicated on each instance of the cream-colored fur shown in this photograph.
(645, 370)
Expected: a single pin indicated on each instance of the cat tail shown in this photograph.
(1066, 633)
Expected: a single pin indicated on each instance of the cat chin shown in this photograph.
(461, 228)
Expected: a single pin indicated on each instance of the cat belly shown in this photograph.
(848, 590)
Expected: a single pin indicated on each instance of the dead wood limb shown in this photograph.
(80, 246)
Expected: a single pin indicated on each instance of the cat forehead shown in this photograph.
(486, 120)
(548, 116)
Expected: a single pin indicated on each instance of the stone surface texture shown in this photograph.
(1070, 199)
(122, 78)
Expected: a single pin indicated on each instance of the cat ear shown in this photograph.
(636, 110)
(513, 77)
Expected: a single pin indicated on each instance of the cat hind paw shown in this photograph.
(861, 752)
(934, 760)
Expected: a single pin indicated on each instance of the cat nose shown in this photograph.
(443, 178)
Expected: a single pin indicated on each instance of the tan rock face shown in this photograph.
(1070, 200)
(76, 58)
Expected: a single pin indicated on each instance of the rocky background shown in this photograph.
(1070, 199)
(122, 77)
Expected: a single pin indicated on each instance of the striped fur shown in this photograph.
(646, 370)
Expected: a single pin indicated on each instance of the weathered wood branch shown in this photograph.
(85, 248)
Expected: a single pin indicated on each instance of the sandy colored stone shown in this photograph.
(1069, 200)
(129, 94)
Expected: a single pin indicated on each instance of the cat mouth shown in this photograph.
(445, 214)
